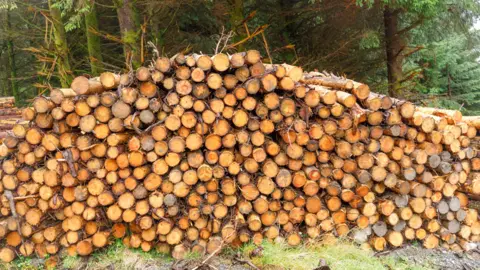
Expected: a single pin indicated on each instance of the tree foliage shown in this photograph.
(451, 76)
(73, 11)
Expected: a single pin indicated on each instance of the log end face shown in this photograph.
(362, 91)
(80, 85)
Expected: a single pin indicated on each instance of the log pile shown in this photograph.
(196, 152)
(7, 102)
(9, 115)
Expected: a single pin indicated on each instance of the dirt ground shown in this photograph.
(414, 256)
(437, 258)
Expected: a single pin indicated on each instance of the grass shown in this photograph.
(71, 262)
(193, 256)
(115, 256)
(24, 263)
(120, 257)
(19, 263)
(340, 255)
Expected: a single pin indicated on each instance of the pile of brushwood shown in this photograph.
(197, 152)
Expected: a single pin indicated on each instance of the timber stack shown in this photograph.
(9, 115)
(197, 152)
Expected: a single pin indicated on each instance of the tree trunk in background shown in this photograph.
(4, 85)
(11, 58)
(63, 61)
(394, 44)
(130, 30)
(287, 29)
(10, 68)
(93, 41)
(155, 34)
(236, 17)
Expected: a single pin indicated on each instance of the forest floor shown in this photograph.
(269, 256)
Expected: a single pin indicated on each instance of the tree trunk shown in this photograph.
(287, 29)
(4, 85)
(394, 44)
(60, 37)
(130, 30)
(93, 41)
(236, 17)
(156, 33)
(11, 57)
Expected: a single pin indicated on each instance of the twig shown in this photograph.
(154, 48)
(67, 154)
(105, 35)
(257, 32)
(382, 253)
(216, 250)
(227, 38)
(8, 194)
(143, 27)
(219, 40)
(129, 62)
(88, 147)
(154, 125)
(267, 48)
(248, 262)
(135, 128)
(246, 29)
(211, 266)
(25, 197)
(210, 256)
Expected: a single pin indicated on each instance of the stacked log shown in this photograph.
(197, 152)
(9, 115)
(7, 102)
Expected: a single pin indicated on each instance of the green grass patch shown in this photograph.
(341, 255)
(71, 262)
(27, 263)
(115, 256)
(121, 257)
(193, 256)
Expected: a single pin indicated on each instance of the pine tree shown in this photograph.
(452, 74)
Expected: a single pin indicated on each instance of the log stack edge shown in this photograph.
(196, 152)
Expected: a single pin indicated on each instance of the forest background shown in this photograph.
(427, 51)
